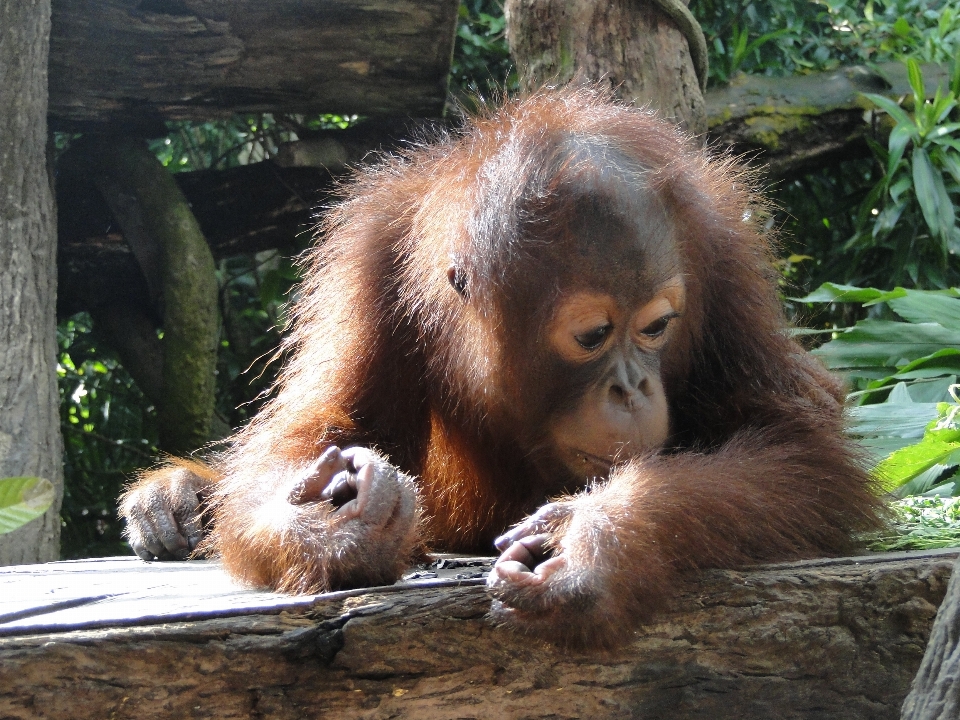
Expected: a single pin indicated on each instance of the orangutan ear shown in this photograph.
(458, 280)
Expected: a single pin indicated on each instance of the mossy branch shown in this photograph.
(161, 229)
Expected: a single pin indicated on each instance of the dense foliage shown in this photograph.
(109, 430)
(903, 364)
(784, 37)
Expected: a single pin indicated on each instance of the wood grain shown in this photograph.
(138, 62)
(816, 639)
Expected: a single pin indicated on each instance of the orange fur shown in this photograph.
(385, 354)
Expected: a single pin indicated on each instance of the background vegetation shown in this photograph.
(887, 221)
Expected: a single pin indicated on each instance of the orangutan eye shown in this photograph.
(594, 338)
(658, 327)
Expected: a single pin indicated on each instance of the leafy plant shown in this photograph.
(23, 499)
(904, 369)
(884, 30)
(253, 295)
(109, 432)
(903, 364)
(481, 58)
(921, 523)
(784, 37)
(242, 139)
(911, 212)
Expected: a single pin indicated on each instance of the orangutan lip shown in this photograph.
(586, 457)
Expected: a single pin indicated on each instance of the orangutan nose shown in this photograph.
(629, 385)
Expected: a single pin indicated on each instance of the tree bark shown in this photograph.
(30, 443)
(139, 62)
(788, 126)
(118, 638)
(630, 46)
(177, 265)
(935, 693)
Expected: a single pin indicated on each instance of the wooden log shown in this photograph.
(790, 125)
(935, 693)
(138, 62)
(125, 639)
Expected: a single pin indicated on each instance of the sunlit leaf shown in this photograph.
(906, 463)
(23, 499)
(914, 75)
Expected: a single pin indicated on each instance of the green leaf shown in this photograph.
(913, 73)
(922, 482)
(901, 27)
(906, 463)
(899, 137)
(951, 163)
(946, 129)
(942, 362)
(891, 419)
(895, 111)
(835, 292)
(932, 195)
(23, 499)
(764, 39)
(928, 307)
(884, 343)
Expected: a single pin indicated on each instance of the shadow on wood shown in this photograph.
(121, 638)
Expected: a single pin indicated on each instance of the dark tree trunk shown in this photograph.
(630, 45)
(29, 418)
(935, 693)
(181, 286)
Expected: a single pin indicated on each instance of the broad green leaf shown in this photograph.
(930, 379)
(906, 463)
(879, 447)
(926, 307)
(900, 394)
(834, 292)
(951, 163)
(946, 129)
(901, 27)
(890, 419)
(899, 187)
(935, 385)
(899, 137)
(884, 343)
(889, 216)
(23, 499)
(922, 482)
